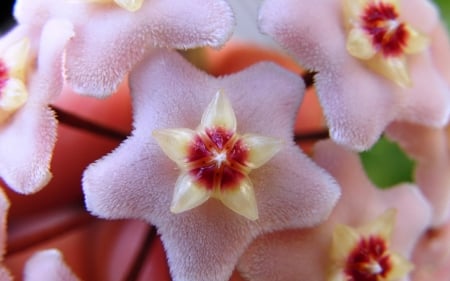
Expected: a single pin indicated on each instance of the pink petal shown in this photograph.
(137, 179)
(441, 50)
(432, 255)
(429, 147)
(48, 265)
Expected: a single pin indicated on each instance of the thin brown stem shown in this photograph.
(77, 122)
(311, 136)
(139, 262)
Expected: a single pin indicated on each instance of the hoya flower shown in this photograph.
(429, 147)
(109, 40)
(30, 71)
(432, 255)
(141, 179)
(357, 38)
(44, 265)
(369, 235)
(48, 265)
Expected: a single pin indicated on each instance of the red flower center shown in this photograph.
(369, 261)
(4, 75)
(217, 158)
(388, 34)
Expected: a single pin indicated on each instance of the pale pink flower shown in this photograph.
(430, 149)
(45, 265)
(306, 254)
(432, 255)
(137, 180)
(109, 40)
(31, 77)
(358, 101)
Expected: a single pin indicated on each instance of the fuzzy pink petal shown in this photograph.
(28, 137)
(48, 265)
(441, 50)
(303, 254)
(429, 147)
(420, 107)
(358, 104)
(118, 39)
(137, 179)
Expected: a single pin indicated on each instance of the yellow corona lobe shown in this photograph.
(363, 254)
(378, 37)
(13, 71)
(215, 160)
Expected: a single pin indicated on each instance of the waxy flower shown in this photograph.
(429, 147)
(364, 253)
(48, 265)
(367, 237)
(431, 256)
(358, 102)
(30, 77)
(138, 180)
(43, 265)
(110, 40)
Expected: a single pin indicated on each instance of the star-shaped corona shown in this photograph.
(363, 254)
(13, 69)
(378, 36)
(129, 5)
(215, 160)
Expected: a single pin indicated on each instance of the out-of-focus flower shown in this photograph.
(137, 179)
(359, 103)
(432, 255)
(48, 265)
(45, 265)
(31, 78)
(430, 149)
(118, 38)
(305, 254)
(364, 253)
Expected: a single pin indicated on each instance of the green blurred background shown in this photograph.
(445, 10)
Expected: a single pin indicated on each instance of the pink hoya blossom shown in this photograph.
(432, 254)
(429, 147)
(109, 40)
(365, 79)
(45, 265)
(31, 77)
(138, 179)
(305, 254)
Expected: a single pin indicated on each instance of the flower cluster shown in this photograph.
(191, 158)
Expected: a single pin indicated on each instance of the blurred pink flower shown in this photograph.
(429, 147)
(305, 254)
(110, 40)
(359, 103)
